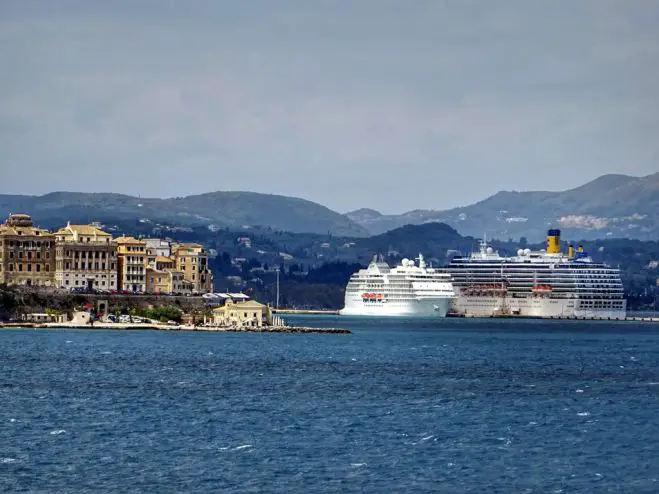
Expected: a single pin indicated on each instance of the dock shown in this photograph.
(329, 312)
(560, 318)
(166, 327)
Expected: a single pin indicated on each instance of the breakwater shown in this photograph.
(167, 327)
(331, 312)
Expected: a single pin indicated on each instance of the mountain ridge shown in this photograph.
(220, 208)
(610, 205)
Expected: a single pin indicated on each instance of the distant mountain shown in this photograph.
(609, 206)
(215, 209)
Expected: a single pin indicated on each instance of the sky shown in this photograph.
(392, 105)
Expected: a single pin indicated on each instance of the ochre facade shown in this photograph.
(132, 261)
(27, 253)
(192, 260)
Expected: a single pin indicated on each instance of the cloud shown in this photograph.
(381, 104)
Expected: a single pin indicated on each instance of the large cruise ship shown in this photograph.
(405, 290)
(546, 283)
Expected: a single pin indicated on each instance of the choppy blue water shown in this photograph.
(449, 406)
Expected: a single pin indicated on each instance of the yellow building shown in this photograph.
(27, 253)
(192, 260)
(85, 257)
(132, 263)
(248, 313)
(166, 281)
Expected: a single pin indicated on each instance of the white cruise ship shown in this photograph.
(546, 283)
(405, 290)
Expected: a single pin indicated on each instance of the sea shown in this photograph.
(445, 405)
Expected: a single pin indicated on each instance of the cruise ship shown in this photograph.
(545, 283)
(405, 290)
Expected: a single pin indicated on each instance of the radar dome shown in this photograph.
(520, 252)
(405, 261)
(489, 250)
(411, 262)
(527, 252)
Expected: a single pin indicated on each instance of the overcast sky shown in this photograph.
(394, 105)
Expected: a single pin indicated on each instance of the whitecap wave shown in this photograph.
(57, 432)
(244, 446)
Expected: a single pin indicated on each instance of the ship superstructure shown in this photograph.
(405, 290)
(545, 283)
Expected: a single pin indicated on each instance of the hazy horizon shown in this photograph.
(376, 104)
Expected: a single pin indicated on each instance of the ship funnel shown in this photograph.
(554, 242)
(580, 248)
(570, 251)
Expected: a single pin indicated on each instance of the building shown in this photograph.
(27, 253)
(43, 317)
(85, 257)
(166, 281)
(192, 260)
(158, 247)
(245, 313)
(132, 264)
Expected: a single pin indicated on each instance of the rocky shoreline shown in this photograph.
(165, 327)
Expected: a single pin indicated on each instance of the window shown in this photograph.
(29, 255)
(38, 255)
(47, 268)
(20, 267)
(38, 268)
(11, 267)
(66, 282)
(29, 267)
(20, 255)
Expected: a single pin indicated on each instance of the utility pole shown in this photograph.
(277, 304)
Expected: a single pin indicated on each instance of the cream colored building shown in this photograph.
(27, 253)
(166, 281)
(248, 313)
(132, 264)
(192, 260)
(85, 257)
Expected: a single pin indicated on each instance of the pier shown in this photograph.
(178, 327)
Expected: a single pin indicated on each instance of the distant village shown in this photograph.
(86, 259)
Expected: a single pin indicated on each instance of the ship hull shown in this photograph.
(484, 306)
(430, 307)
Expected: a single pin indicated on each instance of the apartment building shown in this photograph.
(132, 264)
(26, 253)
(158, 247)
(85, 257)
(192, 260)
(166, 281)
